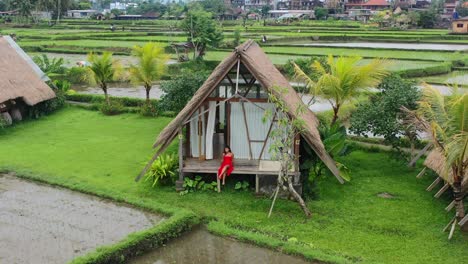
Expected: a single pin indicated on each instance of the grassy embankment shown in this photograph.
(87, 151)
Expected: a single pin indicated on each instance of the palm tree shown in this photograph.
(445, 120)
(151, 66)
(343, 79)
(103, 70)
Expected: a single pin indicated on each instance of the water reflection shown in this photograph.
(200, 246)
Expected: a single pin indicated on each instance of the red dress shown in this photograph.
(227, 161)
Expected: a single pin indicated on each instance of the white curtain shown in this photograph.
(210, 129)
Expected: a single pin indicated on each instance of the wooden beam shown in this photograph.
(267, 136)
(419, 155)
(249, 86)
(421, 173)
(181, 155)
(442, 190)
(434, 184)
(257, 184)
(463, 221)
(255, 100)
(247, 130)
(450, 206)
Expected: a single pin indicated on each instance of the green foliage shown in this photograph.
(50, 66)
(163, 170)
(112, 107)
(343, 80)
(76, 75)
(381, 115)
(202, 30)
(103, 70)
(242, 186)
(427, 19)
(426, 71)
(151, 65)
(149, 109)
(321, 13)
(197, 184)
(62, 85)
(237, 37)
(179, 90)
(307, 65)
(108, 167)
(49, 106)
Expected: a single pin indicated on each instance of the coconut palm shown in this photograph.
(343, 79)
(445, 120)
(151, 66)
(103, 70)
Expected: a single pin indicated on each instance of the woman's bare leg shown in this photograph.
(225, 173)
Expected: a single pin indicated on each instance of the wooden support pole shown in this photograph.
(421, 173)
(419, 155)
(450, 206)
(257, 184)
(180, 182)
(442, 190)
(464, 221)
(449, 223)
(434, 184)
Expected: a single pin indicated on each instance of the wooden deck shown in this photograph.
(194, 165)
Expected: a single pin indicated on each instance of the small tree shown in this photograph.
(320, 13)
(103, 70)
(179, 90)
(381, 115)
(343, 80)
(282, 138)
(151, 66)
(50, 66)
(264, 11)
(202, 31)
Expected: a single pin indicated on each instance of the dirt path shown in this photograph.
(43, 224)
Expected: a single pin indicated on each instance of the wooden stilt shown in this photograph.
(450, 206)
(421, 173)
(433, 184)
(442, 190)
(257, 183)
(463, 221)
(420, 153)
(218, 182)
(452, 229)
(449, 223)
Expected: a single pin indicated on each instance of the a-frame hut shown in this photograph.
(228, 110)
(22, 82)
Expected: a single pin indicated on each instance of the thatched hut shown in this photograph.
(22, 82)
(228, 110)
(435, 161)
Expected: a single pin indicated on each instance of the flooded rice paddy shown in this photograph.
(43, 224)
(120, 90)
(389, 45)
(201, 247)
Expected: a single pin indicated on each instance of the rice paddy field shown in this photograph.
(285, 42)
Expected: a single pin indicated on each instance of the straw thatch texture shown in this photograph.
(436, 161)
(18, 79)
(260, 66)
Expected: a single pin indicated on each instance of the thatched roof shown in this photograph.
(436, 161)
(259, 65)
(20, 76)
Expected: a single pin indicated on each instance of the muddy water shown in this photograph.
(201, 247)
(121, 90)
(43, 224)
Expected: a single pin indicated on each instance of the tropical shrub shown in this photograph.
(149, 109)
(242, 186)
(197, 184)
(76, 75)
(50, 66)
(163, 170)
(179, 90)
(112, 107)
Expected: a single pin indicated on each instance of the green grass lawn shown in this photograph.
(81, 148)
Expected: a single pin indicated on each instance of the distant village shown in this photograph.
(388, 13)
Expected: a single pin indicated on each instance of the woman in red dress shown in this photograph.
(227, 165)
